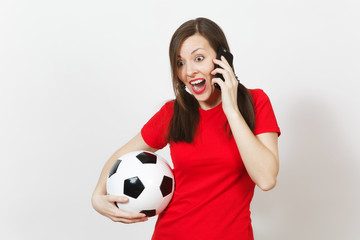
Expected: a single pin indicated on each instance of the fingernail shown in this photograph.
(123, 198)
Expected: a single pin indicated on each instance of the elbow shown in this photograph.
(267, 185)
(268, 180)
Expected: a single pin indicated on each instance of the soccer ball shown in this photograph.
(145, 178)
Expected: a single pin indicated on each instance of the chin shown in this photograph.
(204, 97)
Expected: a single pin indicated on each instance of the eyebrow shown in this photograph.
(192, 51)
(196, 50)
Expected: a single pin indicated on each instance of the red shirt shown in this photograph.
(213, 190)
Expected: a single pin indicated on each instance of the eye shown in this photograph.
(180, 63)
(199, 58)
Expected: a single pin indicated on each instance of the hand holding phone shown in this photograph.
(229, 57)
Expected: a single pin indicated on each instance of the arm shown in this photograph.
(104, 203)
(259, 153)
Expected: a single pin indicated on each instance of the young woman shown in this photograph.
(222, 142)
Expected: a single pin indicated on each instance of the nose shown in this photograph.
(191, 70)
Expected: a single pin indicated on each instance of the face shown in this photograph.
(195, 63)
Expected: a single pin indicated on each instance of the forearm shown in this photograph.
(137, 143)
(101, 185)
(261, 163)
(105, 204)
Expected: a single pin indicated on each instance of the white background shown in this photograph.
(79, 78)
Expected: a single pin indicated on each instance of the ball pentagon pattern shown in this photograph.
(145, 178)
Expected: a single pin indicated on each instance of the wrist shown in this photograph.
(100, 191)
(232, 113)
(235, 119)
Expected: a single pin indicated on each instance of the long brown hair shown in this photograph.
(186, 108)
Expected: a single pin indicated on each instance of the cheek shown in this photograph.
(180, 75)
(208, 67)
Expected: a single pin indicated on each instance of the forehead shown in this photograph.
(192, 43)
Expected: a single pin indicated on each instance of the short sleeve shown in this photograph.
(155, 131)
(265, 120)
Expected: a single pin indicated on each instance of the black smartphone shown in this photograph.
(228, 56)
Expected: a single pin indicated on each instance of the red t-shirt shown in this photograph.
(213, 190)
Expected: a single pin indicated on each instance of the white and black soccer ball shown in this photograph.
(145, 178)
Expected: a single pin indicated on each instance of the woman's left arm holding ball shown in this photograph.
(259, 153)
(104, 203)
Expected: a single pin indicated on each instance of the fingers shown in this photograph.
(226, 74)
(118, 215)
(230, 79)
(223, 63)
(128, 221)
(226, 70)
(126, 217)
(115, 198)
(219, 81)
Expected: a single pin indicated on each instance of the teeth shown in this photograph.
(197, 82)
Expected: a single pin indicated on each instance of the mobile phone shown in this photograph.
(229, 57)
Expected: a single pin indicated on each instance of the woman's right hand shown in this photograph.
(105, 205)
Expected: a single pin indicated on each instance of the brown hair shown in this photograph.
(186, 108)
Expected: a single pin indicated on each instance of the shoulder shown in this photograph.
(257, 92)
(261, 101)
(168, 106)
(258, 95)
(264, 114)
(167, 109)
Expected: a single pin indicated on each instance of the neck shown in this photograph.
(212, 102)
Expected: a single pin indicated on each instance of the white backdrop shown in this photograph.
(79, 78)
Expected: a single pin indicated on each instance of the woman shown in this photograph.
(222, 143)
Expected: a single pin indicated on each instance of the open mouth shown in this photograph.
(198, 85)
